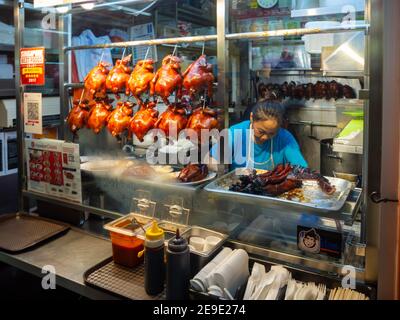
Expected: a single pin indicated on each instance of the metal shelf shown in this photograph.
(70, 204)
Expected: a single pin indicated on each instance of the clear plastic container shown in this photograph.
(127, 238)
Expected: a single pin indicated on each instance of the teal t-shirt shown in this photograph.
(246, 153)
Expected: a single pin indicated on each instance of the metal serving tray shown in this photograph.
(316, 199)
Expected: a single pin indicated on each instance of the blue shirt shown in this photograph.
(246, 153)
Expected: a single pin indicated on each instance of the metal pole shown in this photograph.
(220, 24)
(373, 143)
(151, 42)
(222, 56)
(19, 22)
(293, 32)
(63, 25)
(222, 53)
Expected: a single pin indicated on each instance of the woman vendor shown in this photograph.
(262, 143)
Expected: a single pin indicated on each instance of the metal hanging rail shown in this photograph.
(295, 32)
(232, 36)
(151, 42)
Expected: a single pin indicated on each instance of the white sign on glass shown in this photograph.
(33, 113)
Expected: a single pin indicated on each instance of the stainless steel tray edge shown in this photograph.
(214, 187)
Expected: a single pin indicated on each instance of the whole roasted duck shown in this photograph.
(321, 90)
(202, 118)
(78, 116)
(95, 80)
(140, 80)
(349, 92)
(193, 172)
(118, 76)
(174, 119)
(309, 91)
(99, 112)
(198, 77)
(335, 90)
(168, 79)
(144, 120)
(120, 118)
(282, 179)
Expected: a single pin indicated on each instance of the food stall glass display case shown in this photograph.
(311, 56)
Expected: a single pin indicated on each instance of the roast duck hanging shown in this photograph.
(198, 77)
(144, 120)
(168, 79)
(120, 118)
(99, 113)
(140, 80)
(320, 90)
(202, 119)
(118, 77)
(78, 116)
(174, 119)
(95, 80)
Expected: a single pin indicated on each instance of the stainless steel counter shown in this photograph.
(71, 255)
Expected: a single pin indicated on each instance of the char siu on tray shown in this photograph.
(282, 179)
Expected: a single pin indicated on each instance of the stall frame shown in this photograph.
(372, 141)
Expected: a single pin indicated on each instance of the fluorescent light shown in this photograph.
(88, 6)
(62, 9)
(105, 4)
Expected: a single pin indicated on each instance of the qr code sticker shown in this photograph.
(33, 111)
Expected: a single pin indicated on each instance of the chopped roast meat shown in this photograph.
(193, 173)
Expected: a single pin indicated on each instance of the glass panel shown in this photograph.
(41, 30)
(109, 22)
(12, 153)
(7, 39)
(315, 79)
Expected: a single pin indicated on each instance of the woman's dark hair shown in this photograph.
(265, 110)
(262, 90)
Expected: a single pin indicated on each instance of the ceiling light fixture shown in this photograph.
(62, 9)
(88, 5)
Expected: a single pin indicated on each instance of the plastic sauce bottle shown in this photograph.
(154, 265)
(178, 268)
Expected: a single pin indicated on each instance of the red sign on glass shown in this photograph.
(32, 66)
